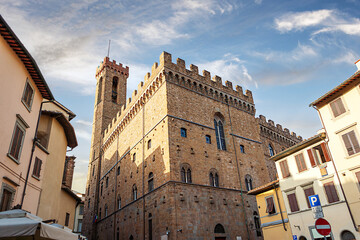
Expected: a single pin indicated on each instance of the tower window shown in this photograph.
(28, 95)
(99, 90)
(118, 170)
(186, 174)
(214, 178)
(149, 144)
(183, 132)
(151, 182)
(219, 132)
(114, 89)
(271, 150)
(248, 182)
(107, 182)
(106, 210)
(101, 188)
(208, 139)
(134, 192)
(242, 149)
(134, 157)
(119, 202)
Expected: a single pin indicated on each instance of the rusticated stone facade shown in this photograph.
(159, 164)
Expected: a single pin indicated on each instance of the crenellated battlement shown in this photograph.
(269, 129)
(113, 66)
(205, 80)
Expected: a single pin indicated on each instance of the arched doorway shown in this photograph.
(219, 230)
(347, 235)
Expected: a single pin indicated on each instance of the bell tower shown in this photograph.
(109, 98)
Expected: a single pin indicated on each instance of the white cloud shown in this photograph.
(230, 68)
(324, 20)
(258, 1)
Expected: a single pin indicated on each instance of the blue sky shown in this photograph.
(288, 53)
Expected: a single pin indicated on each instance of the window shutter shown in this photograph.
(331, 192)
(284, 169)
(358, 176)
(39, 167)
(308, 192)
(325, 152)
(311, 157)
(35, 167)
(334, 109)
(347, 143)
(297, 159)
(293, 203)
(270, 205)
(354, 141)
(340, 106)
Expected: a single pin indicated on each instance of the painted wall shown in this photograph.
(302, 221)
(12, 81)
(346, 165)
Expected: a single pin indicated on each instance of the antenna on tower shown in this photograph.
(108, 55)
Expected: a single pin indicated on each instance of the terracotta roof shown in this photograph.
(264, 188)
(68, 128)
(28, 61)
(299, 146)
(336, 92)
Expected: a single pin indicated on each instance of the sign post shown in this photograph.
(316, 206)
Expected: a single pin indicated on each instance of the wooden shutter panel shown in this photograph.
(35, 167)
(354, 141)
(325, 152)
(331, 192)
(293, 203)
(348, 145)
(311, 157)
(334, 109)
(309, 192)
(284, 169)
(358, 176)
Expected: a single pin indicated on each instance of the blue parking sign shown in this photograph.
(294, 237)
(314, 200)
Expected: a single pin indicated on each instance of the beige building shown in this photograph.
(175, 160)
(35, 133)
(272, 212)
(23, 91)
(340, 114)
(304, 170)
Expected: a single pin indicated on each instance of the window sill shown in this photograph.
(42, 147)
(12, 158)
(37, 178)
(354, 155)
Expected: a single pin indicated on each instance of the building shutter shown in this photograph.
(358, 177)
(337, 107)
(293, 202)
(311, 157)
(269, 205)
(331, 192)
(354, 141)
(325, 152)
(308, 192)
(300, 162)
(284, 169)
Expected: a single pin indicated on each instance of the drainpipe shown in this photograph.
(32, 153)
(277, 197)
(327, 140)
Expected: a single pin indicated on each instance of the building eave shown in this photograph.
(26, 58)
(299, 146)
(337, 91)
(264, 188)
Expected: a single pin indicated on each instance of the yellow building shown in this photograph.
(272, 211)
(340, 115)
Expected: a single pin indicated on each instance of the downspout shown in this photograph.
(277, 197)
(337, 174)
(238, 170)
(32, 153)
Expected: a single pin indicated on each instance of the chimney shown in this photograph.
(358, 64)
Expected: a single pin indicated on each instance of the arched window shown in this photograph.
(134, 192)
(107, 182)
(248, 182)
(119, 202)
(149, 144)
(150, 227)
(257, 224)
(347, 235)
(219, 229)
(99, 90)
(183, 132)
(186, 173)
(118, 170)
(242, 149)
(271, 150)
(151, 182)
(219, 132)
(214, 178)
(134, 157)
(106, 210)
(114, 89)
(208, 139)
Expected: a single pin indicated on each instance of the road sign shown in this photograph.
(317, 212)
(322, 227)
(314, 200)
(295, 237)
